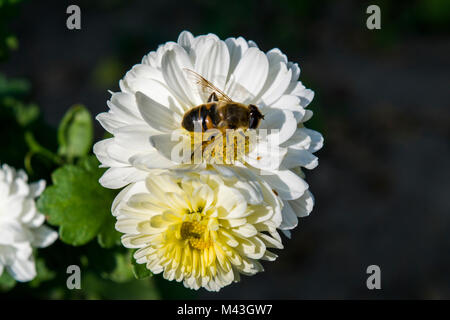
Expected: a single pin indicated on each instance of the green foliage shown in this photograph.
(21, 127)
(13, 87)
(43, 273)
(75, 133)
(79, 205)
(123, 268)
(6, 281)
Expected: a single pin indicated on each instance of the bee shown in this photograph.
(220, 111)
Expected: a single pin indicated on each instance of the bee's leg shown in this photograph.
(213, 97)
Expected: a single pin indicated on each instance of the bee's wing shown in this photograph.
(204, 86)
(239, 92)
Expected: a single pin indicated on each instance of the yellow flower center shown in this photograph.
(194, 232)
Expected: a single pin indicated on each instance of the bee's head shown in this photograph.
(255, 117)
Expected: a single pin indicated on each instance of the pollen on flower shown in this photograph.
(220, 148)
(194, 232)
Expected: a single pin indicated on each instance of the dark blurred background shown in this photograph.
(382, 103)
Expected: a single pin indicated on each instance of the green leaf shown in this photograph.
(140, 271)
(79, 205)
(36, 148)
(90, 163)
(108, 236)
(26, 114)
(6, 281)
(13, 87)
(123, 270)
(75, 132)
(11, 42)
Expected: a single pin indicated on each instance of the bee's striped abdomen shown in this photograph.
(222, 116)
(203, 113)
(203, 116)
(210, 120)
(191, 118)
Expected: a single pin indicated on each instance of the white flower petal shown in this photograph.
(266, 156)
(278, 79)
(172, 146)
(36, 188)
(251, 191)
(306, 96)
(126, 193)
(159, 93)
(115, 178)
(303, 205)
(299, 140)
(212, 62)
(290, 219)
(287, 233)
(44, 236)
(123, 105)
(291, 103)
(287, 184)
(280, 124)
(231, 202)
(109, 121)
(118, 153)
(156, 115)
(135, 137)
(173, 64)
(308, 115)
(316, 139)
(100, 151)
(253, 65)
(236, 47)
(185, 40)
(151, 160)
(22, 270)
(12, 232)
(298, 157)
(142, 71)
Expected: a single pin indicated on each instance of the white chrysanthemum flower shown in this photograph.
(199, 227)
(21, 225)
(157, 93)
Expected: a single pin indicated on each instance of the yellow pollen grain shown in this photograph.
(219, 150)
(194, 233)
